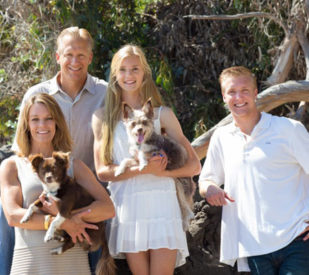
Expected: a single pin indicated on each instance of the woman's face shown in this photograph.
(41, 124)
(130, 74)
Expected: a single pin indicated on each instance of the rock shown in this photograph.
(5, 152)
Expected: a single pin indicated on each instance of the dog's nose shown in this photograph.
(140, 130)
(48, 178)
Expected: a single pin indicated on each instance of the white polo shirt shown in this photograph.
(77, 112)
(267, 175)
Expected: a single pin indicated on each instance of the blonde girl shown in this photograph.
(147, 229)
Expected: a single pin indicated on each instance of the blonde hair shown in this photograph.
(236, 71)
(75, 33)
(113, 102)
(62, 140)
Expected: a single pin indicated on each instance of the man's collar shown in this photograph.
(262, 124)
(55, 87)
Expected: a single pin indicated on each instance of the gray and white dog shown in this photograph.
(145, 142)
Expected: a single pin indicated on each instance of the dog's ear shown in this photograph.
(127, 111)
(148, 109)
(62, 158)
(36, 161)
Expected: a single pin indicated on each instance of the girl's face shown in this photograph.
(130, 74)
(41, 124)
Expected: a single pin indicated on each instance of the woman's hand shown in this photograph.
(76, 227)
(49, 205)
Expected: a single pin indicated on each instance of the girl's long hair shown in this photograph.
(113, 102)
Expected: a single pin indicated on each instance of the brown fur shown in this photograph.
(70, 195)
(145, 143)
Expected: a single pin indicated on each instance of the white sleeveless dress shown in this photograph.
(31, 255)
(147, 211)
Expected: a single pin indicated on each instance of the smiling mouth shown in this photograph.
(74, 69)
(240, 105)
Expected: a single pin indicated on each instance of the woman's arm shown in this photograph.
(102, 207)
(12, 198)
(107, 172)
(173, 129)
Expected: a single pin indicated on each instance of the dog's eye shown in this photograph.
(144, 122)
(133, 124)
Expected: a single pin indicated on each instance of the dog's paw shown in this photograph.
(24, 219)
(56, 251)
(119, 171)
(142, 166)
(48, 237)
(59, 238)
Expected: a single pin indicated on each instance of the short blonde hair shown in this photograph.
(62, 140)
(236, 71)
(76, 33)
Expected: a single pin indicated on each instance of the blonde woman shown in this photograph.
(42, 129)
(147, 229)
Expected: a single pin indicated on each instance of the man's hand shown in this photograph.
(215, 195)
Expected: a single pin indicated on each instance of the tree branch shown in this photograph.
(284, 62)
(240, 16)
(274, 96)
(303, 41)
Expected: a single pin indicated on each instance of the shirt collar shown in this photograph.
(89, 85)
(263, 123)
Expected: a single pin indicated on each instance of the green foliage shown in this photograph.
(27, 33)
(9, 112)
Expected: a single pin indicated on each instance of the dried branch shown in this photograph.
(240, 16)
(304, 43)
(284, 62)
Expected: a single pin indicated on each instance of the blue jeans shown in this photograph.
(93, 258)
(290, 260)
(7, 240)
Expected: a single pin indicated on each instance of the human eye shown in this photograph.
(136, 69)
(50, 118)
(34, 119)
(122, 70)
(231, 92)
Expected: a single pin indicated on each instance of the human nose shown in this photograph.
(129, 72)
(74, 59)
(238, 94)
(42, 122)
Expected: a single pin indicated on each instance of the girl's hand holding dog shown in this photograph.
(76, 227)
(156, 164)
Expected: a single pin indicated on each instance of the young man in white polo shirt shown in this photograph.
(263, 162)
(79, 94)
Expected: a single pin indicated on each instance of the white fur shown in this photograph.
(125, 163)
(55, 224)
(32, 208)
(57, 250)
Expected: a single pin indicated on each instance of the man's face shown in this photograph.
(74, 56)
(239, 93)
